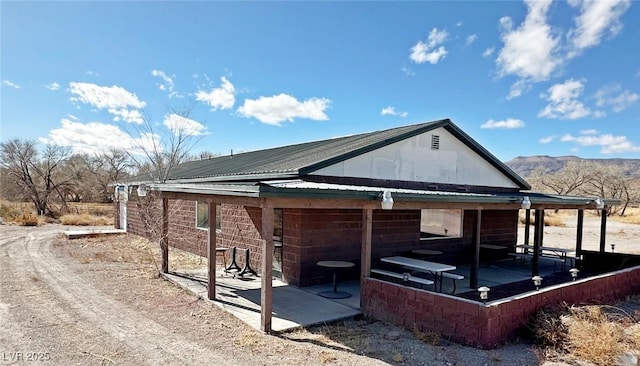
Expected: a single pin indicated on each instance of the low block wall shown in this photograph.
(486, 325)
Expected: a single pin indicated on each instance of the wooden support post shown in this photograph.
(475, 264)
(365, 251)
(527, 224)
(211, 252)
(603, 229)
(579, 229)
(537, 241)
(266, 293)
(164, 240)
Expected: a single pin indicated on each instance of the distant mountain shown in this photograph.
(525, 165)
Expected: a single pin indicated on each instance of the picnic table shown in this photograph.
(419, 265)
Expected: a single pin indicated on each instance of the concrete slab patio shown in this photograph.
(293, 307)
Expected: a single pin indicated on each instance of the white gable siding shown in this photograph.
(414, 160)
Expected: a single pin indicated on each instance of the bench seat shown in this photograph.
(455, 277)
(420, 280)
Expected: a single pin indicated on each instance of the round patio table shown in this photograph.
(335, 265)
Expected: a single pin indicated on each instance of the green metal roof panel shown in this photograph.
(294, 158)
(301, 159)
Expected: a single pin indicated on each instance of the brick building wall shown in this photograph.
(183, 233)
(486, 325)
(312, 235)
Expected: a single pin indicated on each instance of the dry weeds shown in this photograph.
(594, 333)
(85, 220)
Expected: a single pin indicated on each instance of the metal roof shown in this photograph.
(297, 188)
(297, 160)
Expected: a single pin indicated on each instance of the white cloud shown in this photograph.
(11, 84)
(423, 52)
(89, 72)
(391, 111)
(470, 39)
(597, 18)
(53, 86)
(609, 144)
(279, 108)
(167, 83)
(183, 126)
(547, 139)
(115, 99)
(563, 101)
(488, 52)
(518, 88)
(613, 97)
(407, 71)
(219, 98)
(508, 123)
(96, 137)
(590, 131)
(530, 51)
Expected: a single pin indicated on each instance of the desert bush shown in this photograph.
(593, 333)
(28, 219)
(10, 212)
(84, 220)
(548, 328)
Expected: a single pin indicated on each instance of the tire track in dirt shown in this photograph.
(87, 323)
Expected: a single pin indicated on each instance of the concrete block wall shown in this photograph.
(183, 233)
(240, 228)
(486, 325)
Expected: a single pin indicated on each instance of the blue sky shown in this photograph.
(521, 78)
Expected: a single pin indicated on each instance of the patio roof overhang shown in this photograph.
(300, 193)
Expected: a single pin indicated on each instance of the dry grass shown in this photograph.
(550, 219)
(594, 333)
(426, 336)
(631, 216)
(85, 220)
(24, 214)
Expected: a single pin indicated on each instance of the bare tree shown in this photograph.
(111, 166)
(33, 171)
(610, 181)
(570, 179)
(167, 145)
(163, 147)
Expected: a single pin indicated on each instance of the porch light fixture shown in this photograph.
(525, 204)
(613, 247)
(387, 201)
(537, 280)
(405, 276)
(574, 273)
(599, 203)
(484, 293)
(142, 190)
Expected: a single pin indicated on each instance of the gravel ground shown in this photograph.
(99, 301)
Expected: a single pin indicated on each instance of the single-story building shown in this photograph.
(360, 199)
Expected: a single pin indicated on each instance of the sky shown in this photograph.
(522, 78)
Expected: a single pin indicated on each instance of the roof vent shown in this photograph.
(435, 142)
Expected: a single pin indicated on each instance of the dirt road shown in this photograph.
(49, 312)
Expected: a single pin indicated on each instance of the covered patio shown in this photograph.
(295, 307)
(267, 196)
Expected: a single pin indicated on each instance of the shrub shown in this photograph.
(28, 219)
(10, 212)
(593, 333)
